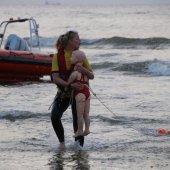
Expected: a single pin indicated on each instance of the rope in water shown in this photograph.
(102, 102)
(160, 131)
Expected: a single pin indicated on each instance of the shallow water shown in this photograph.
(127, 140)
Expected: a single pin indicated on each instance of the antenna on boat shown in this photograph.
(34, 31)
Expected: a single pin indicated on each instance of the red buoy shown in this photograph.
(162, 131)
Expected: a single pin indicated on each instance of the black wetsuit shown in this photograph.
(60, 105)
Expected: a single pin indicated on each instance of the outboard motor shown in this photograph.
(16, 43)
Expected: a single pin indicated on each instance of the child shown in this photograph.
(82, 96)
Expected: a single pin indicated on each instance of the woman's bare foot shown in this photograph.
(62, 146)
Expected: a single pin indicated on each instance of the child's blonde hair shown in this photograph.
(78, 56)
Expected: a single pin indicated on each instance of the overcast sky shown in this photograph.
(99, 2)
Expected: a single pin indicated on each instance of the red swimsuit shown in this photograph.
(85, 90)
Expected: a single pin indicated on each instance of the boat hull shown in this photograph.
(23, 66)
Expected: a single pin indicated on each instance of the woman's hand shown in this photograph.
(89, 73)
(78, 67)
(77, 86)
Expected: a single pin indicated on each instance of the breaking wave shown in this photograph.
(20, 115)
(153, 67)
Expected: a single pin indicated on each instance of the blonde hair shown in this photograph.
(80, 55)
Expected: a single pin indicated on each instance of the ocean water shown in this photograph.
(129, 49)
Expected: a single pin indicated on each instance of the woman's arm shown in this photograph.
(57, 80)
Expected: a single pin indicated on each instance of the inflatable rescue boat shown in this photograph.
(17, 61)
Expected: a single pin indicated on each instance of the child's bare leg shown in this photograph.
(87, 117)
(80, 104)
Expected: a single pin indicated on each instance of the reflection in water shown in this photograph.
(81, 159)
(75, 160)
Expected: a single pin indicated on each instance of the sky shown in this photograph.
(86, 2)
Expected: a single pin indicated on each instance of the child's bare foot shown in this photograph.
(86, 132)
(78, 134)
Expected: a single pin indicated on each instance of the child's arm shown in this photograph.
(72, 77)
